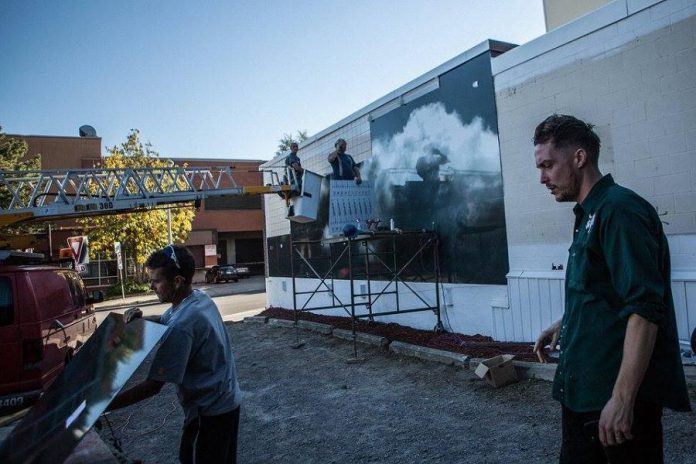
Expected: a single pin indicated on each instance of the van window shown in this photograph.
(52, 291)
(6, 306)
(80, 292)
(77, 291)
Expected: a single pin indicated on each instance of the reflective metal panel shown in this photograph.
(73, 403)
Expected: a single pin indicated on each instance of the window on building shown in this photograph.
(233, 202)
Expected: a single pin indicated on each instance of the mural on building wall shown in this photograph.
(435, 165)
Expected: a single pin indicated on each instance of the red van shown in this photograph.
(45, 316)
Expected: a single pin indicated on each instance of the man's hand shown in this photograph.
(132, 314)
(615, 422)
(617, 416)
(548, 336)
(358, 180)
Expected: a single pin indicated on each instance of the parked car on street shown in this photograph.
(242, 271)
(217, 274)
(46, 315)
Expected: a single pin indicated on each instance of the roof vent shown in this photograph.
(87, 131)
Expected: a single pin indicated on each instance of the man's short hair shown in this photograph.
(566, 131)
(183, 265)
(294, 144)
(338, 142)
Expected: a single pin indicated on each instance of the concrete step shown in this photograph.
(360, 337)
(430, 354)
(281, 323)
(324, 329)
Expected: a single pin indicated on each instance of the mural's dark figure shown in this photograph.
(619, 351)
(428, 166)
(343, 165)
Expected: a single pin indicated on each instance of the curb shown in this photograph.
(281, 323)
(324, 329)
(127, 305)
(361, 337)
(525, 369)
(532, 370)
(430, 354)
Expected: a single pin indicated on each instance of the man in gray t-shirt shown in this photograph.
(196, 356)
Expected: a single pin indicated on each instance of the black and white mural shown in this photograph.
(436, 165)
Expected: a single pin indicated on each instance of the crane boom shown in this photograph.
(50, 194)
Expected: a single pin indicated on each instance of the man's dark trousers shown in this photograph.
(581, 438)
(210, 439)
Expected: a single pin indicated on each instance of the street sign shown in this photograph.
(119, 261)
(79, 247)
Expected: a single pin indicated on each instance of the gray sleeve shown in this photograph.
(172, 357)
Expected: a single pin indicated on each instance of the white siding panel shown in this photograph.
(679, 295)
(690, 293)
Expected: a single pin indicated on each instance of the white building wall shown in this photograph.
(629, 69)
(463, 308)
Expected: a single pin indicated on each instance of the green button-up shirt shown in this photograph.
(618, 265)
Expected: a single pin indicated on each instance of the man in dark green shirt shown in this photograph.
(619, 352)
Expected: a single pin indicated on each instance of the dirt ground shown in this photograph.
(309, 405)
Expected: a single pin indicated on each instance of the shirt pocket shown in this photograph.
(577, 271)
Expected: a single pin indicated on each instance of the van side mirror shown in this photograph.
(95, 296)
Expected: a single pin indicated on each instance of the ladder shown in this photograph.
(51, 194)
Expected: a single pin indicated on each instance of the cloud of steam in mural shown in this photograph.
(459, 149)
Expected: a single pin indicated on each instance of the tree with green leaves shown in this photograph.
(143, 232)
(13, 157)
(287, 139)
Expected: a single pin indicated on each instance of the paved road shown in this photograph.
(233, 307)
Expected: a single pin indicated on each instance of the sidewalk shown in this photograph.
(251, 285)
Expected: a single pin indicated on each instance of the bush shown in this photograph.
(130, 286)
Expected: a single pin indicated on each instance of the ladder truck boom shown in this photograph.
(60, 194)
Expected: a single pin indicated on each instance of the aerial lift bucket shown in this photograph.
(304, 204)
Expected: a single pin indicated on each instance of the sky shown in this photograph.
(226, 79)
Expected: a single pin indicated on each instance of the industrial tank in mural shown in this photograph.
(436, 165)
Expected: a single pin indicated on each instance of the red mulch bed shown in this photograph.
(476, 346)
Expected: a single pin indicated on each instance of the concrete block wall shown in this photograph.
(629, 69)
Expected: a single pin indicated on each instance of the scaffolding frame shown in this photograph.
(374, 266)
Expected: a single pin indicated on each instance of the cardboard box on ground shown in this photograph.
(498, 370)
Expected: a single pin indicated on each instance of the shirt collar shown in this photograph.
(191, 295)
(596, 193)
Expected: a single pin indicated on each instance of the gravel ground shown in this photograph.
(310, 405)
